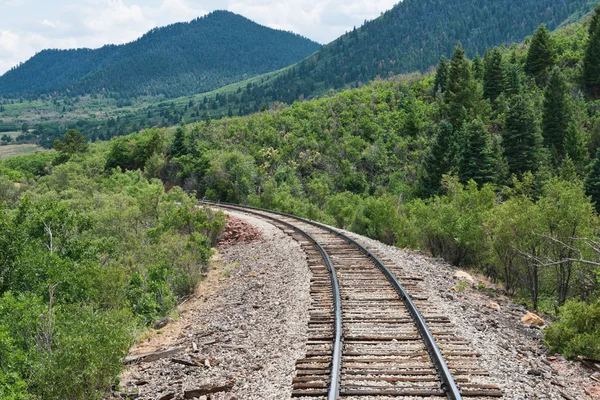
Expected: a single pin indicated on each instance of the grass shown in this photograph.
(18, 150)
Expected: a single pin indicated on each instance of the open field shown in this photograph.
(18, 150)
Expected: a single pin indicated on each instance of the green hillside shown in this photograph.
(176, 60)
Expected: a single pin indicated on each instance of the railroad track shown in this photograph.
(372, 331)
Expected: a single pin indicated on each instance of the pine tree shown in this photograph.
(493, 77)
(575, 146)
(464, 94)
(512, 79)
(478, 68)
(479, 162)
(557, 114)
(178, 147)
(439, 161)
(591, 59)
(541, 55)
(521, 137)
(592, 183)
(441, 76)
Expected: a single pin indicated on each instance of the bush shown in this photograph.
(451, 227)
(88, 347)
(577, 332)
(149, 294)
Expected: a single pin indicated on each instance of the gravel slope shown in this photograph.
(252, 315)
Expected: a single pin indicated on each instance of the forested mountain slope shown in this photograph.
(179, 59)
(410, 37)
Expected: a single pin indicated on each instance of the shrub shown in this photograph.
(577, 332)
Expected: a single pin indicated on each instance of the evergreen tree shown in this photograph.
(575, 146)
(479, 162)
(592, 183)
(541, 55)
(557, 114)
(73, 143)
(178, 147)
(464, 94)
(521, 138)
(512, 79)
(493, 77)
(439, 161)
(591, 59)
(441, 76)
(478, 67)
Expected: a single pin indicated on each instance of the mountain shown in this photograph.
(412, 36)
(184, 58)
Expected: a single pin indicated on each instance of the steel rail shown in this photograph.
(336, 364)
(448, 384)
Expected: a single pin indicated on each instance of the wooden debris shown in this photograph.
(149, 357)
(184, 362)
(208, 389)
(124, 395)
(168, 396)
(590, 363)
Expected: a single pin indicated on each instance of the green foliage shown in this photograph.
(479, 161)
(441, 160)
(577, 333)
(464, 94)
(87, 257)
(493, 76)
(591, 60)
(522, 140)
(451, 226)
(73, 143)
(176, 60)
(179, 147)
(541, 55)
(441, 76)
(557, 114)
(592, 183)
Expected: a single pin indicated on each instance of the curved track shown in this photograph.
(367, 338)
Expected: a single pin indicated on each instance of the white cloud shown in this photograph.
(9, 42)
(49, 24)
(31, 26)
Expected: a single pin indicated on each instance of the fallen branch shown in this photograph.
(208, 389)
(149, 357)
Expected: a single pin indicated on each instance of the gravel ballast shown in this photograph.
(252, 316)
(248, 322)
(512, 351)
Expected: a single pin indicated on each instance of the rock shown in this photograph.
(162, 323)
(494, 306)
(167, 396)
(462, 275)
(535, 372)
(532, 320)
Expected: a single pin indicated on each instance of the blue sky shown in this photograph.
(28, 26)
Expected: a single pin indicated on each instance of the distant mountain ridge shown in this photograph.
(176, 60)
(410, 37)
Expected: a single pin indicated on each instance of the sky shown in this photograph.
(29, 26)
